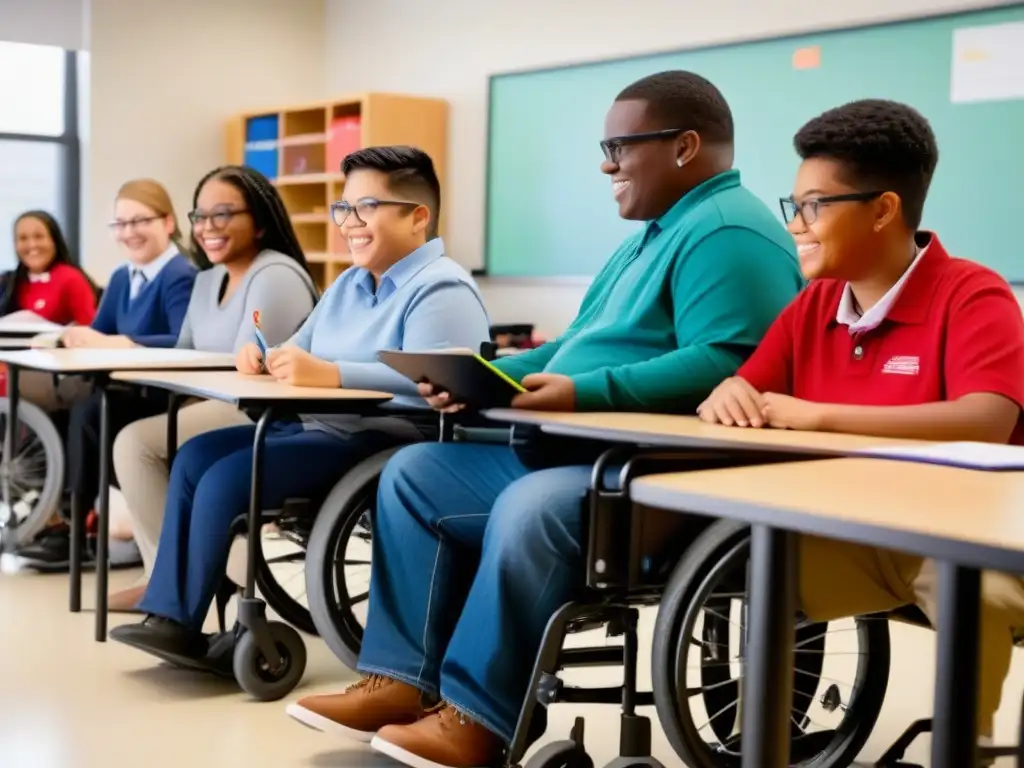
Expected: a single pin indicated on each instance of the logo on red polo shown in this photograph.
(903, 365)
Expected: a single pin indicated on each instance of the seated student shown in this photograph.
(474, 546)
(143, 304)
(893, 338)
(240, 223)
(402, 293)
(49, 283)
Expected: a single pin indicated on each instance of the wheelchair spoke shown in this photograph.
(359, 598)
(690, 692)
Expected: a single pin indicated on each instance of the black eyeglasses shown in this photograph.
(119, 225)
(218, 218)
(364, 208)
(612, 147)
(808, 209)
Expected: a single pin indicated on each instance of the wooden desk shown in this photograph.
(265, 394)
(689, 432)
(968, 520)
(98, 364)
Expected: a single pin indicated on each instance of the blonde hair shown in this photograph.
(153, 194)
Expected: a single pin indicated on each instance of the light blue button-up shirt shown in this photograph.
(425, 301)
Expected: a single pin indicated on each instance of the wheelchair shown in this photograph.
(698, 640)
(35, 475)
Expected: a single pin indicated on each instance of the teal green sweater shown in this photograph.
(678, 307)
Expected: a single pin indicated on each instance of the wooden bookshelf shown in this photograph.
(300, 149)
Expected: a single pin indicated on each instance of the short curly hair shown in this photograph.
(883, 145)
(680, 99)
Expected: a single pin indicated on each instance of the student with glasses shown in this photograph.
(143, 305)
(893, 338)
(402, 292)
(241, 226)
(476, 546)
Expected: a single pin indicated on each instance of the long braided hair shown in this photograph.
(266, 208)
(61, 255)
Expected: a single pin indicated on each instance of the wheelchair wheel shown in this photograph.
(699, 634)
(279, 573)
(36, 474)
(253, 673)
(338, 559)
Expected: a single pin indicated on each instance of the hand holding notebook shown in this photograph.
(467, 377)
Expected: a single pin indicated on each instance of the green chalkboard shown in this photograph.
(550, 212)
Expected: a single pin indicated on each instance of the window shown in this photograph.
(39, 142)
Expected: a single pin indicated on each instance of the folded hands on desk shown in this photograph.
(735, 402)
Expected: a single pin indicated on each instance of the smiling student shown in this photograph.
(47, 280)
(894, 338)
(403, 292)
(476, 546)
(240, 224)
(144, 304)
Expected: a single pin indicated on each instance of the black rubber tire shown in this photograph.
(35, 419)
(251, 671)
(676, 618)
(560, 754)
(347, 502)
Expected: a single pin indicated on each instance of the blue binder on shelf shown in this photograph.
(261, 151)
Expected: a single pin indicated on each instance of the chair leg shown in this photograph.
(634, 730)
(225, 592)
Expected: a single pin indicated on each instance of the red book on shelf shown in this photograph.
(344, 138)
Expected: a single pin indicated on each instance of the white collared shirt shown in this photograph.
(138, 276)
(848, 315)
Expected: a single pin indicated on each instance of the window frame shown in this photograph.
(71, 164)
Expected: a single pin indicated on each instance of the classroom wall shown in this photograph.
(44, 22)
(448, 48)
(163, 79)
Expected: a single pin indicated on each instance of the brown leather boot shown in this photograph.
(362, 709)
(446, 738)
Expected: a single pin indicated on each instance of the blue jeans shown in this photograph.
(472, 554)
(209, 489)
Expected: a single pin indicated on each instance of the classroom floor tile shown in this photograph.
(68, 702)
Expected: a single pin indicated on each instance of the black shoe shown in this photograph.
(163, 638)
(51, 552)
(220, 656)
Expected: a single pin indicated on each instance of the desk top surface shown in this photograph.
(96, 360)
(691, 432)
(231, 386)
(970, 516)
(15, 342)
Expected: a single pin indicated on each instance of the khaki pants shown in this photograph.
(140, 463)
(838, 579)
(44, 390)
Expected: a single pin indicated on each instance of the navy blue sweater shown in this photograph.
(155, 316)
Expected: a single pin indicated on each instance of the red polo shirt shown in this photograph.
(954, 329)
(62, 295)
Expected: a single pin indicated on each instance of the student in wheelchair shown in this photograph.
(476, 546)
(894, 338)
(239, 224)
(402, 293)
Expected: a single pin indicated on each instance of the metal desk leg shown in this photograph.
(10, 446)
(103, 513)
(252, 611)
(173, 404)
(770, 638)
(955, 729)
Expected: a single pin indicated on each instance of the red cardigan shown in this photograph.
(62, 295)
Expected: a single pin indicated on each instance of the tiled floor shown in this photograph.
(68, 702)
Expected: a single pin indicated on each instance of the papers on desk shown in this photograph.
(28, 323)
(987, 456)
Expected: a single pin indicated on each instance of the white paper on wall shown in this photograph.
(988, 63)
